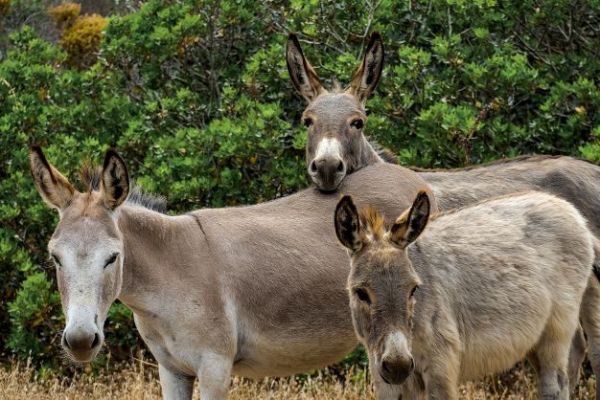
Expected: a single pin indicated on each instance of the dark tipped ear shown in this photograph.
(303, 75)
(347, 224)
(368, 74)
(54, 188)
(412, 222)
(115, 180)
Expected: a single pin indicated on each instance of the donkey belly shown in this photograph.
(502, 337)
(284, 354)
(293, 318)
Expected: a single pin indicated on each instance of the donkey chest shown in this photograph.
(172, 348)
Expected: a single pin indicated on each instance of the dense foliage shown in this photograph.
(196, 97)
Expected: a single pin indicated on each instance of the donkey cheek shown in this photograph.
(363, 324)
(64, 297)
(110, 289)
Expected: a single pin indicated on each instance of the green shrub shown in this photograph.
(32, 317)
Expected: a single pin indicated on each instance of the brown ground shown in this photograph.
(139, 382)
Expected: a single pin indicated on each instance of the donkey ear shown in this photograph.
(54, 188)
(303, 75)
(347, 224)
(115, 180)
(412, 222)
(367, 76)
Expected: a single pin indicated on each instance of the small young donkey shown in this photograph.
(480, 289)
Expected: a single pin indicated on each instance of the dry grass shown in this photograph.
(140, 382)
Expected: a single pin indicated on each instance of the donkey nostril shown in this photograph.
(340, 167)
(386, 367)
(96, 340)
(412, 364)
(66, 342)
(313, 166)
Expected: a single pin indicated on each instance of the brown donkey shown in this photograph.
(252, 291)
(478, 290)
(574, 180)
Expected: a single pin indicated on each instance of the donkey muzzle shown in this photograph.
(327, 173)
(395, 371)
(82, 342)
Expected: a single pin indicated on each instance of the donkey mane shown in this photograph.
(150, 201)
(384, 153)
(90, 177)
(376, 224)
(442, 213)
(526, 158)
(373, 221)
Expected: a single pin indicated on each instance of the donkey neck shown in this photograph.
(366, 156)
(158, 249)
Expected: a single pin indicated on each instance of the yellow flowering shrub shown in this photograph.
(64, 15)
(82, 40)
(80, 35)
(4, 7)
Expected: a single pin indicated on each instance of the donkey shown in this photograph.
(253, 291)
(335, 120)
(475, 292)
(329, 117)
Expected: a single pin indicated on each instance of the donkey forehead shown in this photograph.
(382, 260)
(86, 224)
(334, 104)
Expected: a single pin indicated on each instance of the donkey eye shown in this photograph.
(412, 291)
(111, 260)
(362, 295)
(307, 122)
(56, 260)
(357, 123)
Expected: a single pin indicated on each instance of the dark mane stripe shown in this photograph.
(526, 158)
(383, 152)
(149, 201)
(90, 177)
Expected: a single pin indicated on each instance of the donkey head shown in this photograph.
(335, 120)
(86, 247)
(382, 282)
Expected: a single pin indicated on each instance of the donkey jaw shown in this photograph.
(327, 187)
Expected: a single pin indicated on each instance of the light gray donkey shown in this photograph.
(336, 121)
(253, 291)
(478, 290)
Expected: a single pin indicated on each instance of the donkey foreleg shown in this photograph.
(576, 358)
(441, 378)
(590, 319)
(552, 352)
(214, 376)
(175, 386)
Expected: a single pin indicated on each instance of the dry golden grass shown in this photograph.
(140, 382)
